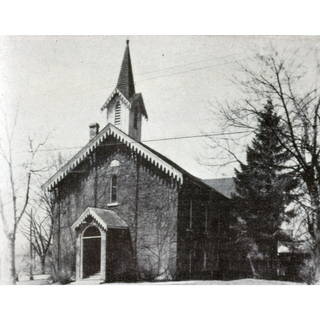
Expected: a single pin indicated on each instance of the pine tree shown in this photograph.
(263, 189)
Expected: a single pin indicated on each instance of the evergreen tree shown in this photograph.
(263, 189)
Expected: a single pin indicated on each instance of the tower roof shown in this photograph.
(125, 81)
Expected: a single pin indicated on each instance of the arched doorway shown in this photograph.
(91, 251)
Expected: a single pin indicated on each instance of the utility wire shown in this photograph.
(172, 73)
(160, 139)
(197, 136)
(190, 70)
(184, 64)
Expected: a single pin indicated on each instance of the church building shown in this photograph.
(125, 212)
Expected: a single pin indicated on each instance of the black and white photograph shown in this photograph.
(160, 159)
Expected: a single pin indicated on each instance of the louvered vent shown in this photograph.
(117, 114)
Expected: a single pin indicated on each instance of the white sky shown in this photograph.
(60, 83)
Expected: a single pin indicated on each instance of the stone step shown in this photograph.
(94, 276)
(93, 279)
(87, 282)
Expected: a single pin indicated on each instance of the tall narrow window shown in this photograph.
(190, 215)
(117, 114)
(204, 259)
(135, 119)
(114, 189)
(206, 218)
(190, 263)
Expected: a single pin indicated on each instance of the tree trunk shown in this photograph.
(43, 264)
(316, 275)
(11, 260)
(30, 250)
(315, 234)
(316, 258)
(253, 270)
(273, 261)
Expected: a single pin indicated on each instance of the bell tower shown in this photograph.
(124, 107)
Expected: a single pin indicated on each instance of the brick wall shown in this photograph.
(200, 242)
(152, 231)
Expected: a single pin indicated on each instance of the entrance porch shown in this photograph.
(92, 229)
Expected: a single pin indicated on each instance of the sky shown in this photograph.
(59, 84)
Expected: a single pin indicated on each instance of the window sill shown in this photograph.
(113, 204)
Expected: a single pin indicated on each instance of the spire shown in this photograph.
(125, 81)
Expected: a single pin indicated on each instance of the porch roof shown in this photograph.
(107, 219)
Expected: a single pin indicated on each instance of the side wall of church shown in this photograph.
(202, 228)
(157, 221)
(152, 220)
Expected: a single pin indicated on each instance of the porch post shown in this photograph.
(103, 262)
(78, 257)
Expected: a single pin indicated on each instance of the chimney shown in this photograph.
(93, 130)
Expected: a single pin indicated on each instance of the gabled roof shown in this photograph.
(125, 81)
(115, 92)
(154, 157)
(135, 101)
(183, 171)
(106, 219)
(139, 148)
(226, 186)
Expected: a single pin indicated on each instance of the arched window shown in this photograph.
(114, 164)
(91, 231)
(114, 189)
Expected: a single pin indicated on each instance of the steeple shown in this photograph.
(125, 81)
(124, 107)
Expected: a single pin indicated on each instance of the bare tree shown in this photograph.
(41, 225)
(13, 210)
(160, 239)
(164, 238)
(295, 96)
